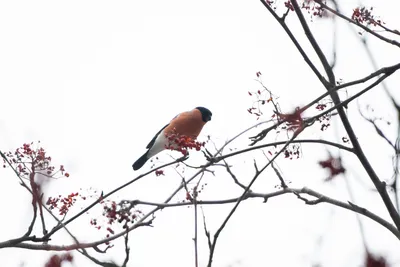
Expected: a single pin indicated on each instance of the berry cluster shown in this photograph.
(364, 15)
(373, 261)
(26, 160)
(113, 213)
(66, 203)
(334, 166)
(159, 172)
(182, 143)
(325, 119)
(293, 121)
(314, 9)
(292, 151)
(57, 260)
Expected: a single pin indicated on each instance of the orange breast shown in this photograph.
(187, 123)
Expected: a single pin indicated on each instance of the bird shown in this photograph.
(188, 123)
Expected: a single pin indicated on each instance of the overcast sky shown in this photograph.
(95, 80)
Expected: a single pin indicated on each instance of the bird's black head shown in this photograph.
(205, 114)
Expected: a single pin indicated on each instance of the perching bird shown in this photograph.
(187, 123)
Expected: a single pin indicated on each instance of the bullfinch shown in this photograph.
(189, 123)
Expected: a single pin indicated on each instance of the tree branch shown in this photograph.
(386, 70)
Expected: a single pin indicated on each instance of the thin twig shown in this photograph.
(127, 249)
(283, 184)
(196, 255)
(207, 233)
(228, 169)
(273, 144)
(385, 70)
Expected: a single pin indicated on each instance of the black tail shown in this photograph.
(140, 162)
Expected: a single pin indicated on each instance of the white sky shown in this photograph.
(95, 80)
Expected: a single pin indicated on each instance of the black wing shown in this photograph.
(155, 137)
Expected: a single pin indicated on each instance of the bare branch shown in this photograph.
(196, 252)
(283, 184)
(320, 198)
(386, 70)
(207, 233)
(378, 130)
(273, 144)
(228, 169)
(127, 249)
